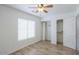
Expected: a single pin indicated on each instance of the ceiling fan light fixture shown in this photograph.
(43, 8)
(40, 9)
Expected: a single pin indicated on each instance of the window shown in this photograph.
(31, 29)
(26, 29)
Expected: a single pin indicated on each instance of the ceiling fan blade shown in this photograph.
(45, 11)
(48, 6)
(42, 5)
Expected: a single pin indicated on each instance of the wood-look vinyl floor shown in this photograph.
(45, 48)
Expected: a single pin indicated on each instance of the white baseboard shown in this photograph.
(24, 46)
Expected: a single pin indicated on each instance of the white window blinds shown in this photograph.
(26, 29)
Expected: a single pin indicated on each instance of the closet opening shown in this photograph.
(60, 32)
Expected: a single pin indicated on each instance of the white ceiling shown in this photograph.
(57, 9)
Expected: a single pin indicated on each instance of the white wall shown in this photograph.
(48, 30)
(69, 30)
(77, 32)
(9, 30)
(53, 31)
(77, 28)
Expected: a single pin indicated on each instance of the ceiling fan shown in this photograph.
(42, 7)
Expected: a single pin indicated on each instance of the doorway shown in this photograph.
(60, 32)
(45, 30)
